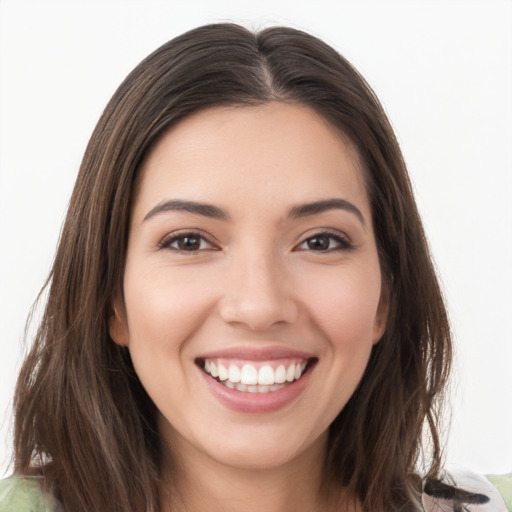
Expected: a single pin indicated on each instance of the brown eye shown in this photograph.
(186, 242)
(325, 242)
(318, 243)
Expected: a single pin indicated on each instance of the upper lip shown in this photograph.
(257, 353)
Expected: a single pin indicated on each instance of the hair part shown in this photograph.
(83, 419)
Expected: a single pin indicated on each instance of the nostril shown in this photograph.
(258, 315)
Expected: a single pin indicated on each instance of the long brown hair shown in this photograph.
(82, 418)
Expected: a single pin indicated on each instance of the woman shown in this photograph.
(242, 312)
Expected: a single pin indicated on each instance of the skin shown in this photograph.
(257, 280)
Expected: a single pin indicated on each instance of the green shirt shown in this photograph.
(24, 494)
(504, 484)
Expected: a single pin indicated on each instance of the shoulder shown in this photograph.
(24, 494)
(466, 490)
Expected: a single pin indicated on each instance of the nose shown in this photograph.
(258, 295)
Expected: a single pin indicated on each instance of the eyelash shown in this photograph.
(167, 243)
(341, 241)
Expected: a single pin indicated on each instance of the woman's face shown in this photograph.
(252, 284)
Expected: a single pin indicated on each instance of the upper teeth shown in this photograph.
(250, 375)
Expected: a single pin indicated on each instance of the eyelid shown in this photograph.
(343, 239)
(172, 237)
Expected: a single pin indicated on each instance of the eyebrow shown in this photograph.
(317, 207)
(177, 205)
(214, 212)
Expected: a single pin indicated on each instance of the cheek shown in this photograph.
(164, 308)
(344, 306)
(163, 313)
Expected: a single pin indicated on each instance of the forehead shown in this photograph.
(274, 152)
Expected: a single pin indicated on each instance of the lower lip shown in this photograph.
(256, 402)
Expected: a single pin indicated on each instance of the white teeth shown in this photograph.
(290, 373)
(249, 375)
(251, 380)
(234, 373)
(253, 389)
(223, 373)
(266, 376)
(280, 376)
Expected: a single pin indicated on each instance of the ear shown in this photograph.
(117, 324)
(381, 317)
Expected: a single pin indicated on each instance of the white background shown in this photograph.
(443, 70)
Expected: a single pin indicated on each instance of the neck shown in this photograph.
(194, 482)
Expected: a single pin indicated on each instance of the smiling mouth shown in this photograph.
(256, 377)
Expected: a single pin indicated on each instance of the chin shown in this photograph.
(264, 449)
